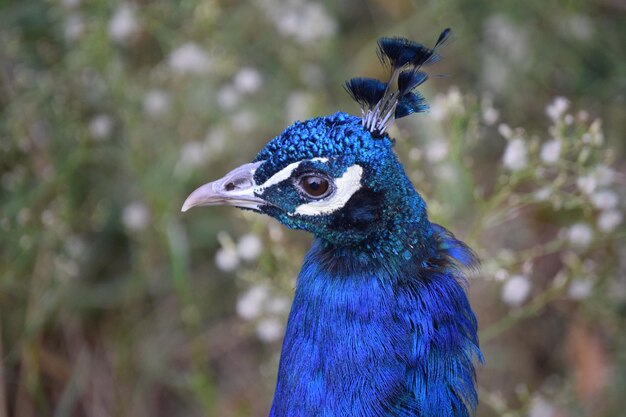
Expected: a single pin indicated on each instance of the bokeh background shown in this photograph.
(113, 303)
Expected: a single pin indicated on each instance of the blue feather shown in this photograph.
(454, 249)
(444, 37)
(428, 56)
(355, 361)
(365, 91)
(410, 103)
(410, 79)
(398, 52)
(380, 104)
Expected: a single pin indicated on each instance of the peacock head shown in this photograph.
(337, 176)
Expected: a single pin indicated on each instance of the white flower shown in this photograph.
(123, 25)
(579, 26)
(306, 22)
(250, 304)
(515, 290)
(540, 407)
(604, 199)
(609, 220)
(101, 127)
(249, 247)
(75, 247)
(446, 104)
(269, 329)
(226, 259)
(215, 140)
(587, 184)
(556, 109)
(507, 38)
(495, 75)
(227, 97)
(248, 80)
(455, 100)
(299, 106)
(500, 275)
(73, 27)
(604, 175)
(580, 235)
(543, 194)
(505, 131)
(415, 154)
(156, 103)
(550, 151)
(243, 121)
(580, 288)
(191, 155)
(189, 58)
(48, 218)
(490, 116)
(439, 108)
(507, 47)
(515, 155)
(437, 150)
(136, 216)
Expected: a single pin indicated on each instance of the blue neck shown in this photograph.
(373, 336)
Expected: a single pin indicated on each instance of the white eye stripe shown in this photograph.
(285, 174)
(345, 187)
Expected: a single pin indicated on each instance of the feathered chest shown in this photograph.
(367, 344)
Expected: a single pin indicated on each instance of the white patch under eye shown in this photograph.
(345, 187)
(285, 174)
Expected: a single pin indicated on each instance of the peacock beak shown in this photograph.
(237, 188)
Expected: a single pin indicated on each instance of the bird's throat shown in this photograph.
(362, 340)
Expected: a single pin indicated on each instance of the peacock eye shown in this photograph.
(314, 185)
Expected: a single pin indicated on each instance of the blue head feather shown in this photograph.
(410, 103)
(366, 91)
(409, 80)
(398, 52)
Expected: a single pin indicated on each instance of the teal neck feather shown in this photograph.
(380, 336)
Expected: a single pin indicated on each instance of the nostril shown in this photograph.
(230, 186)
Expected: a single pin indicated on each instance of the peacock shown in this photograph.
(380, 323)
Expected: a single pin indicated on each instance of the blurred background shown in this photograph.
(113, 303)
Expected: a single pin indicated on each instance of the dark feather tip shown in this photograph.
(410, 79)
(410, 103)
(428, 56)
(365, 91)
(400, 51)
(444, 37)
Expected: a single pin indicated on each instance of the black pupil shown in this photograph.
(314, 186)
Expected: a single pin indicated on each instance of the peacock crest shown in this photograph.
(383, 102)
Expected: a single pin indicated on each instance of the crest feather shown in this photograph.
(383, 102)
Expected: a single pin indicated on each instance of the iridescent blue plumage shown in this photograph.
(380, 323)
(409, 104)
(366, 91)
(410, 79)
